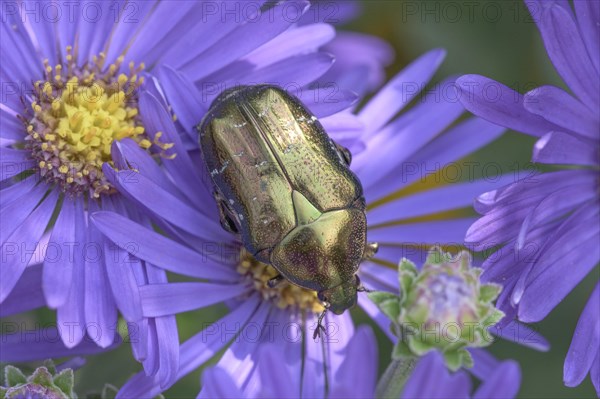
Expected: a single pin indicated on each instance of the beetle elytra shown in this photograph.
(286, 188)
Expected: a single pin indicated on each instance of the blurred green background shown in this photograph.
(492, 38)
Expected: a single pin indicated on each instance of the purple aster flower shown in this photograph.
(548, 225)
(277, 374)
(75, 97)
(431, 380)
(195, 245)
(360, 57)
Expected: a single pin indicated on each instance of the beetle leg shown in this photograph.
(346, 154)
(225, 214)
(320, 327)
(275, 281)
(370, 250)
(359, 286)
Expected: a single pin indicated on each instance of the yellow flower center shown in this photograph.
(284, 295)
(77, 114)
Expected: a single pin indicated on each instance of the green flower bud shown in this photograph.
(43, 383)
(441, 307)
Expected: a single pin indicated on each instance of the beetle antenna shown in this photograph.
(320, 327)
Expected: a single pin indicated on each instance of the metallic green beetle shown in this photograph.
(285, 187)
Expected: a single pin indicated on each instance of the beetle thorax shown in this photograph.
(285, 295)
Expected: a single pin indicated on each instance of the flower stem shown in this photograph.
(392, 382)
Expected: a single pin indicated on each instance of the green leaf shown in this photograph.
(13, 376)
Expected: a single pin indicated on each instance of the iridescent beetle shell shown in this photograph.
(285, 187)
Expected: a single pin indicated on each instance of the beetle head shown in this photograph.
(340, 298)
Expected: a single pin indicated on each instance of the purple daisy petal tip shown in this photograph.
(439, 53)
(585, 346)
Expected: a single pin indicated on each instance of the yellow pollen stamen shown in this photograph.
(48, 89)
(122, 79)
(285, 295)
(78, 112)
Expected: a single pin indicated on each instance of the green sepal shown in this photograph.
(41, 376)
(479, 341)
(401, 350)
(489, 292)
(455, 359)
(436, 256)
(465, 261)
(419, 347)
(466, 359)
(387, 302)
(452, 359)
(493, 318)
(13, 376)
(475, 271)
(65, 381)
(49, 364)
(413, 307)
(407, 272)
(56, 386)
